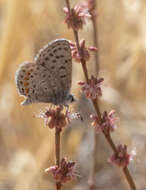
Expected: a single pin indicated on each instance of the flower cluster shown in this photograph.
(92, 89)
(121, 157)
(84, 51)
(55, 117)
(64, 172)
(107, 123)
(75, 17)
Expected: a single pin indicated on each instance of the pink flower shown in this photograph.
(107, 123)
(64, 172)
(55, 117)
(75, 18)
(84, 51)
(92, 89)
(121, 157)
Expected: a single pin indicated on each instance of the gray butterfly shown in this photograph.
(48, 78)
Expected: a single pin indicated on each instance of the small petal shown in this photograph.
(106, 123)
(75, 18)
(55, 117)
(92, 48)
(121, 157)
(92, 89)
(63, 173)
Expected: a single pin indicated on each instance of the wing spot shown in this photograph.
(21, 82)
(66, 61)
(62, 76)
(62, 56)
(54, 60)
(43, 64)
(31, 76)
(55, 50)
(50, 54)
(60, 48)
(23, 70)
(62, 67)
(57, 57)
(33, 91)
(34, 86)
(26, 90)
(65, 49)
(52, 67)
(44, 76)
(26, 83)
(26, 78)
(21, 76)
(46, 58)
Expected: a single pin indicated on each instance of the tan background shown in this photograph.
(26, 147)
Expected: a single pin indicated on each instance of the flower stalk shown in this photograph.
(57, 152)
(106, 134)
(56, 118)
(92, 10)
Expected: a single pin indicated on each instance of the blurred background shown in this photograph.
(26, 146)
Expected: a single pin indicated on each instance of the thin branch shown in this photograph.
(57, 152)
(95, 37)
(95, 103)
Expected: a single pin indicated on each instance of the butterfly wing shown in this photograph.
(28, 83)
(49, 78)
(56, 59)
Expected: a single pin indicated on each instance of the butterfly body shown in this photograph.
(48, 78)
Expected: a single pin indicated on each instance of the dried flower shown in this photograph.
(64, 172)
(121, 157)
(55, 117)
(107, 123)
(75, 18)
(92, 89)
(84, 51)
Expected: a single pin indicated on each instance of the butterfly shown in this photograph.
(48, 78)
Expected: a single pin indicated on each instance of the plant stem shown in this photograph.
(80, 53)
(57, 153)
(95, 36)
(129, 178)
(96, 106)
(92, 175)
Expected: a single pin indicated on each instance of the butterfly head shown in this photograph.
(70, 98)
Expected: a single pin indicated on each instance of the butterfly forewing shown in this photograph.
(56, 58)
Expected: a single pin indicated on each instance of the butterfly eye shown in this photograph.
(71, 98)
